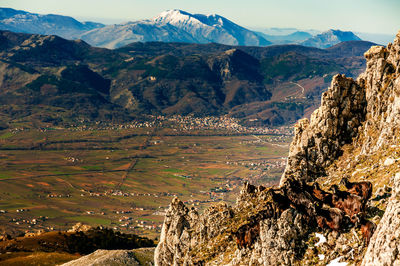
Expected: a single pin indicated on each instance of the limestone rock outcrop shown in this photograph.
(317, 142)
(382, 84)
(364, 116)
(190, 239)
(277, 241)
(184, 230)
(105, 257)
(175, 238)
(370, 104)
(384, 248)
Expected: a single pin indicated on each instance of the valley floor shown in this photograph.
(125, 177)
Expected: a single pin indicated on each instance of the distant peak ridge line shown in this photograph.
(174, 25)
(329, 38)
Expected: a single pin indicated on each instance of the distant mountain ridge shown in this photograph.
(175, 26)
(329, 38)
(276, 31)
(169, 26)
(64, 26)
(48, 79)
(292, 38)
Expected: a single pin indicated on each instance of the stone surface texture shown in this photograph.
(105, 257)
(384, 248)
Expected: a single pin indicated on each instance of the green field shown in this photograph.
(124, 177)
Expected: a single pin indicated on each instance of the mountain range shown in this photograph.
(330, 38)
(21, 21)
(175, 26)
(169, 26)
(48, 79)
(295, 37)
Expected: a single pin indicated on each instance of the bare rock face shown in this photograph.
(374, 99)
(382, 83)
(183, 230)
(384, 248)
(175, 237)
(209, 239)
(373, 122)
(101, 257)
(281, 241)
(317, 142)
(280, 238)
(105, 257)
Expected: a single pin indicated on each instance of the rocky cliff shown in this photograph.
(384, 248)
(354, 134)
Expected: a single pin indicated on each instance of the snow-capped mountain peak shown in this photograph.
(180, 18)
(169, 26)
(209, 28)
(175, 17)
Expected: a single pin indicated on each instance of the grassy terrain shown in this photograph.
(53, 248)
(36, 258)
(124, 178)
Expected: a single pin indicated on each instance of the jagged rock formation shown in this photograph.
(190, 239)
(354, 133)
(276, 242)
(174, 235)
(374, 97)
(373, 130)
(382, 83)
(317, 142)
(385, 244)
(384, 76)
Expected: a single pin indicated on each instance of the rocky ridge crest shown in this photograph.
(355, 134)
(190, 239)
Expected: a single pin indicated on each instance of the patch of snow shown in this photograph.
(178, 18)
(389, 161)
(322, 239)
(336, 262)
(321, 256)
(174, 26)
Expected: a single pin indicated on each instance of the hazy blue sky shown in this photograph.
(376, 16)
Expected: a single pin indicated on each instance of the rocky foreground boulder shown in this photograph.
(190, 239)
(103, 257)
(384, 248)
(354, 134)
